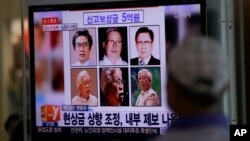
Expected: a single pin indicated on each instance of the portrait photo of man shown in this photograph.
(145, 87)
(83, 50)
(114, 87)
(113, 46)
(146, 42)
(83, 87)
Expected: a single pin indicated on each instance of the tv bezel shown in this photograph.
(90, 6)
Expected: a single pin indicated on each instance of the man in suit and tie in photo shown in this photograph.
(144, 39)
(82, 43)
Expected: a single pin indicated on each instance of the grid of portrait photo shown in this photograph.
(116, 66)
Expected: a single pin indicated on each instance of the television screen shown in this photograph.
(98, 70)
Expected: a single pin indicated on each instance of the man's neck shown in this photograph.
(83, 61)
(190, 111)
(85, 96)
(112, 101)
(143, 91)
(146, 60)
(113, 60)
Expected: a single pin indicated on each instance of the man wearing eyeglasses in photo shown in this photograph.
(113, 91)
(112, 47)
(83, 82)
(144, 39)
(82, 43)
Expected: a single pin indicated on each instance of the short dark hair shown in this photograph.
(85, 33)
(12, 118)
(144, 30)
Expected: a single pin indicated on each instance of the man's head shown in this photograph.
(144, 79)
(113, 43)
(82, 43)
(11, 123)
(197, 71)
(83, 83)
(144, 39)
(112, 85)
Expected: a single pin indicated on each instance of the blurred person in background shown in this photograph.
(11, 123)
(197, 80)
(41, 76)
(57, 81)
(193, 25)
(18, 133)
(42, 41)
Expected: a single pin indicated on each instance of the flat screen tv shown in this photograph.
(98, 69)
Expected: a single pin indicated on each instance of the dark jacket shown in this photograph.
(152, 61)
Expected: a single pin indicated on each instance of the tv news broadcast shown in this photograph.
(98, 70)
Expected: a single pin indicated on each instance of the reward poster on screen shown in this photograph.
(105, 68)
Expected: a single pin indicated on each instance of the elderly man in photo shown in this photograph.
(147, 97)
(112, 87)
(84, 97)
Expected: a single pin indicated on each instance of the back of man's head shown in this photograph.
(11, 123)
(199, 67)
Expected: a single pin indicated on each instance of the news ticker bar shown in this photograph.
(239, 132)
(80, 131)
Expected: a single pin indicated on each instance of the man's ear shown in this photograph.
(152, 45)
(103, 45)
(150, 81)
(80, 88)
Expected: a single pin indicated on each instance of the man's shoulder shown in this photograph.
(200, 133)
(151, 92)
(90, 63)
(101, 62)
(134, 61)
(75, 64)
(92, 100)
(75, 99)
(92, 97)
(154, 61)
